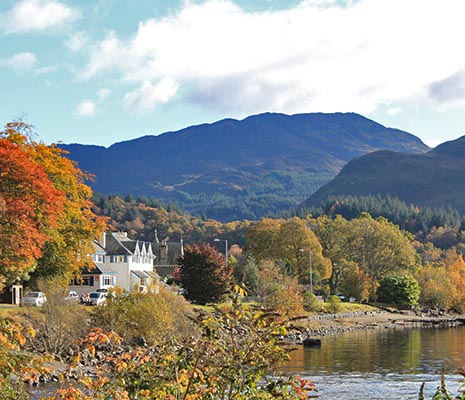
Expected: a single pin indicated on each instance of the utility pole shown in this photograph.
(310, 268)
(226, 248)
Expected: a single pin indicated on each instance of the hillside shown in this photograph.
(239, 169)
(436, 178)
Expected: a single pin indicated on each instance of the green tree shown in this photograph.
(156, 316)
(246, 274)
(262, 237)
(204, 274)
(399, 289)
(332, 235)
(379, 248)
(295, 243)
(288, 242)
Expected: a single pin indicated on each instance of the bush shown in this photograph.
(204, 274)
(235, 355)
(334, 304)
(150, 317)
(311, 302)
(399, 289)
(13, 361)
(55, 329)
(279, 292)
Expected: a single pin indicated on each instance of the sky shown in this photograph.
(105, 71)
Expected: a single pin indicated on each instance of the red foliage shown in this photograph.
(29, 206)
(204, 274)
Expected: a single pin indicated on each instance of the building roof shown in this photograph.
(97, 270)
(167, 253)
(118, 243)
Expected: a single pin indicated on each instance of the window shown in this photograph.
(84, 281)
(107, 281)
(99, 258)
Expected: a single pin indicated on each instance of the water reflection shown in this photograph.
(393, 360)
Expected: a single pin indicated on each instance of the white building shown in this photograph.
(118, 261)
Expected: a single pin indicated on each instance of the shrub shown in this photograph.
(278, 291)
(399, 289)
(16, 365)
(204, 274)
(55, 329)
(236, 355)
(150, 317)
(334, 304)
(311, 302)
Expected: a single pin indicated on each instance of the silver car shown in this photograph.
(97, 298)
(72, 297)
(33, 299)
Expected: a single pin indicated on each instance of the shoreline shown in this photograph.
(314, 327)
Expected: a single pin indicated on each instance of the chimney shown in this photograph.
(156, 237)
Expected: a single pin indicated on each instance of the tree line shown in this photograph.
(286, 262)
(419, 220)
(352, 252)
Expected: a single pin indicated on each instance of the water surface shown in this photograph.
(382, 363)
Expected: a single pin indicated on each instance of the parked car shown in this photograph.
(72, 297)
(341, 296)
(97, 298)
(36, 299)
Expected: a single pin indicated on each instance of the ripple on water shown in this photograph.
(380, 387)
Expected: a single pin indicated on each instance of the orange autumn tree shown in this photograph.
(69, 242)
(456, 272)
(437, 289)
(29, 208)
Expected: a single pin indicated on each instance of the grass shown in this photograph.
(9, 309)
(344, 307)
(354, 307)
(211, 307)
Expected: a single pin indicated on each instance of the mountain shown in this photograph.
(435, 178)
(234, 169)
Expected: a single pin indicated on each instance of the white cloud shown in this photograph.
(37, 15)
(103, 93)
(148, 96)
(20, 61)
(46, 70)
(394, 110)
(317, 56)
(86, 108)
(77, 41)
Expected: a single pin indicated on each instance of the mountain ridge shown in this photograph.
(435, 178)
(294, 154)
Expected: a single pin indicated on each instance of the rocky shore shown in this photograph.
(301, 330)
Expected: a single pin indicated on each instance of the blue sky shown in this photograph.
(103, 71)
